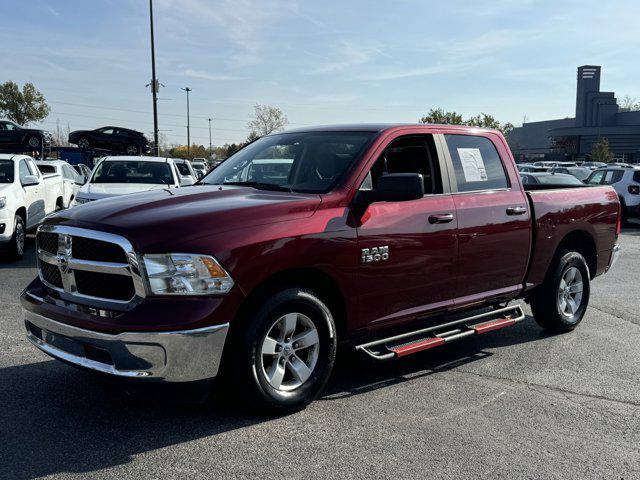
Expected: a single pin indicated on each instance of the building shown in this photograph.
(598, 115)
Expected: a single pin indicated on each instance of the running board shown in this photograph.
(437, 335)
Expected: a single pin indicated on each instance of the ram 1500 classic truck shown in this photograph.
(389, 239)
(26, 196)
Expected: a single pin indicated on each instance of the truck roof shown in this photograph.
(379, 127)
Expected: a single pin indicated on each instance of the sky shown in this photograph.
(321, 62)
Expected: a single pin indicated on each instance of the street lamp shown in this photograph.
(187, 89)
(155, 85)
(210, 137)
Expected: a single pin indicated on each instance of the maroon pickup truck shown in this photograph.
(390, 239)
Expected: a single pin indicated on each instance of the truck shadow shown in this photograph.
(56, 419)
(29, 259)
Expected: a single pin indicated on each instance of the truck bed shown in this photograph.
(588, 214)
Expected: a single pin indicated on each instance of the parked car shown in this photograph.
(187, 174)
(71, 180)
(546, 178)
(593, 165)
(26, 197)
(199, 168)
(550, 164)
(14, 136)
(527, 168)
(116, 139)
(388, 239)
(626, 182)
(83, 170)
(114, 176)
(581, 173)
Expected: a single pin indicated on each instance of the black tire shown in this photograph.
(249, 367)
(132, 150)
(33, 141)
(84, 143)
(59, 205)
(549, 310)
(14, 250)
(624, 216)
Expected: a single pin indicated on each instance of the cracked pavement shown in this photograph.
(516, 403)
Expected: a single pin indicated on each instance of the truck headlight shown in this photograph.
(3, 202)
(185, 274)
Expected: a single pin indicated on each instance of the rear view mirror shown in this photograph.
(396, 187)
(30, 180)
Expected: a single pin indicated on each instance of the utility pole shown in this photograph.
(187, 89)
(210, 138)
(155, 85)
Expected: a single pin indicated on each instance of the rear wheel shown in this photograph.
(559, 304)
(286, 351)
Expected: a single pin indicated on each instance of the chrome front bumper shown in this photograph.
(179, 356)
(615, 254)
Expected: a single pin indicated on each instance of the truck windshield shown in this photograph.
(6, 171)
(299, 162)
(133, 172)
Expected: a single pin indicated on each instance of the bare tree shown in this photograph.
(266, 119)
(629, 103)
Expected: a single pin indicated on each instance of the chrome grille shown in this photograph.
(88, 266)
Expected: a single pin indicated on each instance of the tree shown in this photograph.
(266, 119)
(600, 151)
(629, 103)
(197, 151)
(484, 120)
(24, 106)
(438, 115)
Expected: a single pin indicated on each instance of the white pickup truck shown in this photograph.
(26, 197)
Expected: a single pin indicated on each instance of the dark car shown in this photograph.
(543, 178)
(115, 139)
(14, 136)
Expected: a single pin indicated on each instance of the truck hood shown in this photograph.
(96, 191)
(153, 220)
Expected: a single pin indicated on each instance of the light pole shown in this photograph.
(210, 137)
(155, 85)
(187, 89)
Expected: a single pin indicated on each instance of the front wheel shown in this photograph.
(286, 352)
(15, 247)
(34, 141)
(84, 143)
(132, 150)
(559, 304)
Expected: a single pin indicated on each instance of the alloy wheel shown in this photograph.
(290, 351)
(570, 292)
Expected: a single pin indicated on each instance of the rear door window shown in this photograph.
(612, 176)
(476, 163)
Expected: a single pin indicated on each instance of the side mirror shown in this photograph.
(396, 187)
(81, 180)
(30, 180)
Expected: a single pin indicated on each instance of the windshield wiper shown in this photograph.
(261, 186)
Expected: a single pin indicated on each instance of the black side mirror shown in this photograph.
(395, 187)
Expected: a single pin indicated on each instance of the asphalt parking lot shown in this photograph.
(514, 404)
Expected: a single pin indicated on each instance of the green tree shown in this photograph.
(266, 119)
(439, 116)
(197, 151)
(23, 107)
(484, 120)
(600, 151)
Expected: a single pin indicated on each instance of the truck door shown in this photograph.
(408, 249)
(33, 200)
(494, 222)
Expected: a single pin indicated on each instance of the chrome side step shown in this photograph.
(437, 335)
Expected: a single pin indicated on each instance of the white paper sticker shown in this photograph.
(472, 165)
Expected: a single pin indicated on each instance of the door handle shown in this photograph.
(441, 218)
(516, 211)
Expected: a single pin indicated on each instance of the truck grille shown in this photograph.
(87, 266)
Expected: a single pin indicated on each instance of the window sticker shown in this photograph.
(472, 165)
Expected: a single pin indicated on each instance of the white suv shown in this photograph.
(626, 182)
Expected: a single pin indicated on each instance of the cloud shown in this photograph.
(399, 73)
(190, 72)
(348, 55)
